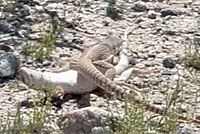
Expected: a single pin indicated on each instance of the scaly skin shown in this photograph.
(101, 52)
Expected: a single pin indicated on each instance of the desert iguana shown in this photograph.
(102, 53)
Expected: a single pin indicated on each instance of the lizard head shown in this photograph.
(125, 52)
(114, 41)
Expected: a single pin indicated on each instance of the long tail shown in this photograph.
(110, 87)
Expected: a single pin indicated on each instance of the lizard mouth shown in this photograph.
(24, 76)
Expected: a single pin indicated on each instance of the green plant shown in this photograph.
(36, 119)
(44, 46)
(192, 56)
(112, 11)
(169, 124)
(133, 120)
(8, 5)
(192, 51)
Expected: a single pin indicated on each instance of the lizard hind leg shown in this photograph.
(58, 92)
(59, 97)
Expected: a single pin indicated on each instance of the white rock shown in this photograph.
(140, 6)
(152, 14)
(82, 121)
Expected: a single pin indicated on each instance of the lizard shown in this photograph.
(75, 84)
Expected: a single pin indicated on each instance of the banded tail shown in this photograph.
(110, 87)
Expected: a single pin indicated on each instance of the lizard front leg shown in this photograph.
(72, 65)
(106, 67)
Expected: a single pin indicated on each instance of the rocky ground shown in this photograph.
(161, 29)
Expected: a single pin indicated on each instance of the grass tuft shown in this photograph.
(33, 122)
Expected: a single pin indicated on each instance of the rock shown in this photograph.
(29, 2)
(157, 101)
(146, 24)
(152, 14)
(6, 48)
(139, 20)
(106, 22)
(26, 104)
(101, 130)
(169, 32)
(5, 27)
(168, 72)
(183, 108)
(197, 39)
(22, 33)
(198, 117)
(46, 63)
(15, 23)
(55, 6)
(82, 121)
(185, 130)
(169, 11)
(169, 63)
(9, 65)
(39, 9)
(25, 11)
(113, 13)
(83, 100)
(140, 6)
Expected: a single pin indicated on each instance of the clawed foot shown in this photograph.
(59, 92)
